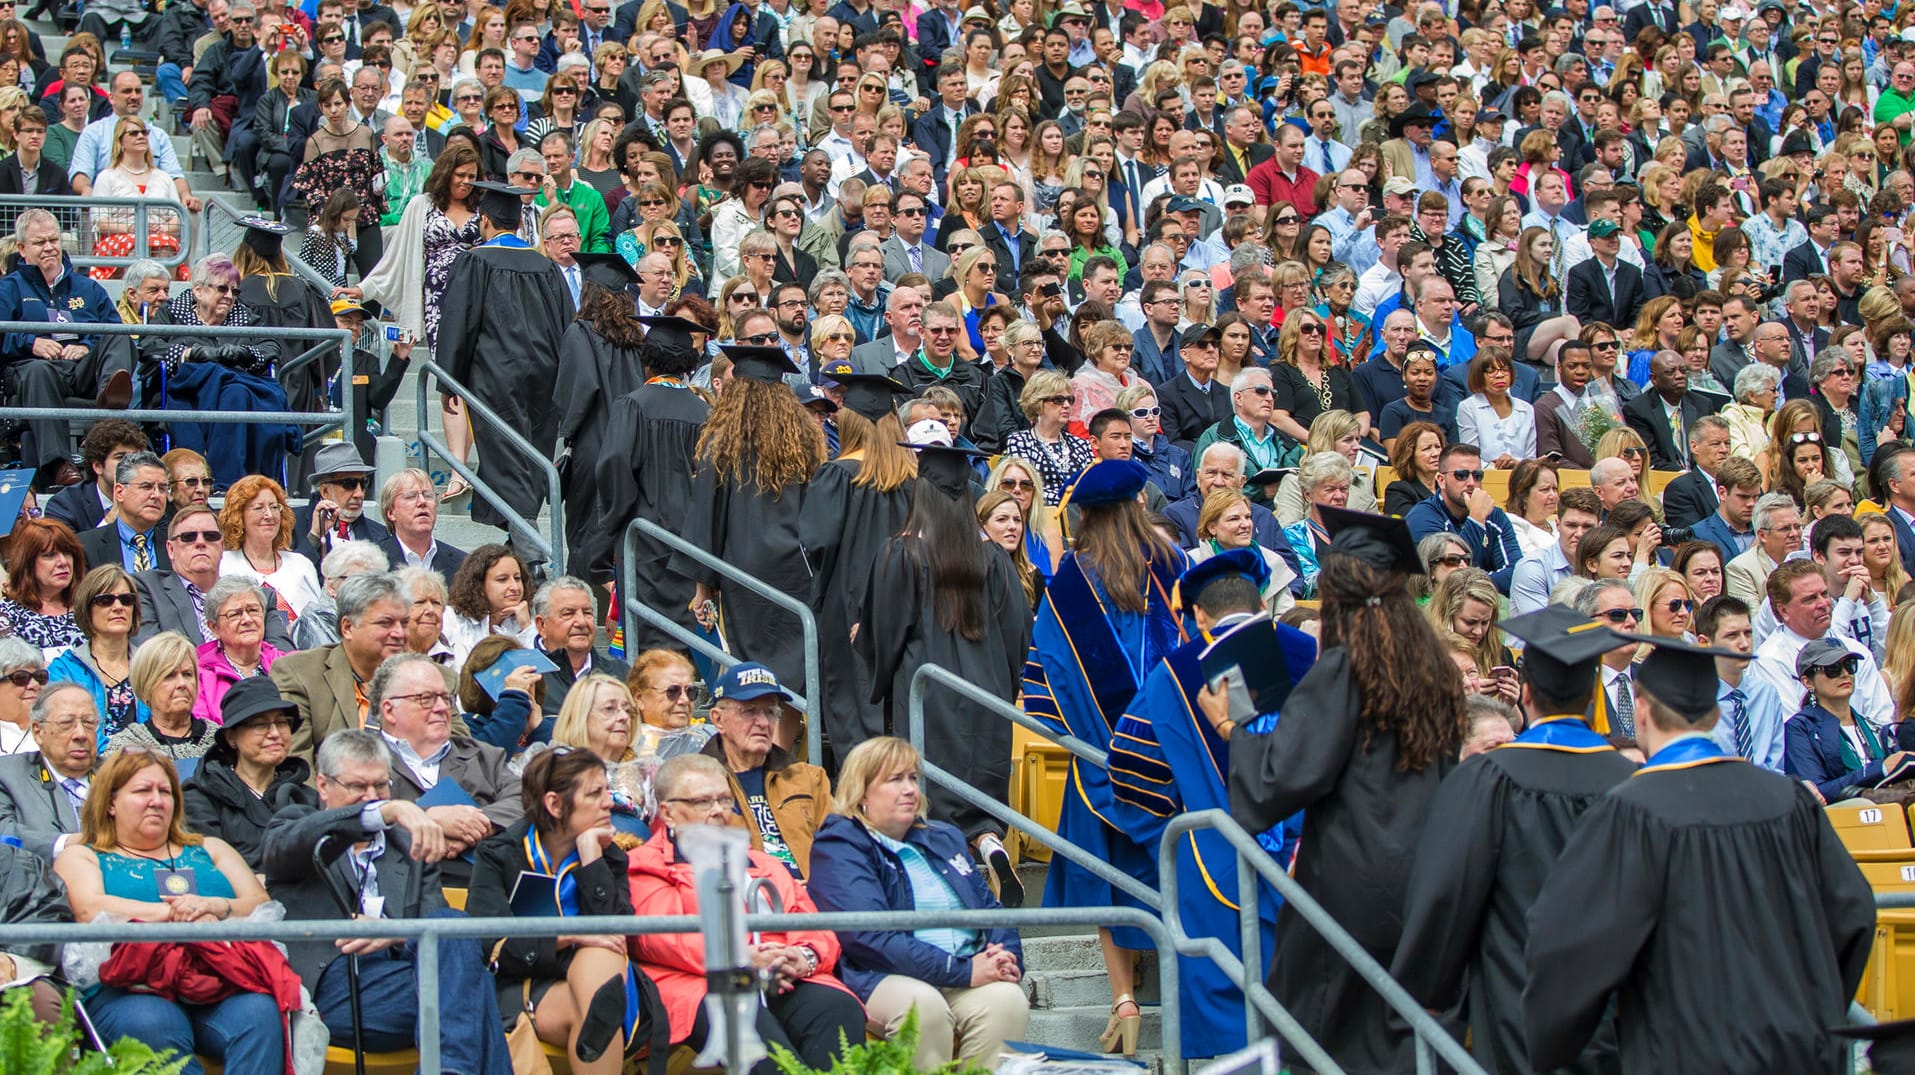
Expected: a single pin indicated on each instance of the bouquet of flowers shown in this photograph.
(1598, 412)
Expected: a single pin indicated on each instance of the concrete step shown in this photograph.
(1079, 1027)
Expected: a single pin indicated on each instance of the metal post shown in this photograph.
(429, 998)
(1250, 923)
(503, 434)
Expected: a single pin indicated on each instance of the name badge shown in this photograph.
(176, 882)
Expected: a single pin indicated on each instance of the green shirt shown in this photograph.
(1891, 105)
(594, 223)
(403, 183)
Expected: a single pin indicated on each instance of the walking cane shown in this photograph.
(352, 961)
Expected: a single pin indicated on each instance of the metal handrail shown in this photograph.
(808, 623)
(1182, 942)
(518, 524)
(1429, 1033)
(75, 214)
(433, 929)
(293, 261)
(323, 420)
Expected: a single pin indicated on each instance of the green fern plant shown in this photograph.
(882, 1057)
(30, 1047)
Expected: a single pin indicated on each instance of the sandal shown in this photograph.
(1120, 1035)
(455, 489)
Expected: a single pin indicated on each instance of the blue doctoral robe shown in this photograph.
(1087, 661)
(1166, 759)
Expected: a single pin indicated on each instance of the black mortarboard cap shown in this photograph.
(502, 203)
(609, 271)
(947, 469)
(265, 237)
(768, 364)
(1381, 541)
(1891, 1048)
(1681, 675)
(1564, 649)
(672, 331)
(871, 394)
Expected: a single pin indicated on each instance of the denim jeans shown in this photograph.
(245, 1032)
(172, 84)
(471, 1036)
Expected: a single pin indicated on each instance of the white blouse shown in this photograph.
(1477, 423)
(294, 579)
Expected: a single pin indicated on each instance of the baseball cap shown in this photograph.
(1400, 185)
(1238, 194)
(747, 680)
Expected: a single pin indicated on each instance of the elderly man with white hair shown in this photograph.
(1614, 481)
(319, 624)
(1221, 466)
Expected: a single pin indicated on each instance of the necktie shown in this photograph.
(917, 257)
(142, 560)
(1625, 722)
(1739, 725)
(571, 281)
(1556, 253)
(1681, 443)
(1323, 157)
(1134, 189)
(344, 531)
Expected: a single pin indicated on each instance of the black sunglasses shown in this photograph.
(1466, 475)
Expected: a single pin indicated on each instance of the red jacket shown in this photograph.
(206, 972)
(661, 885)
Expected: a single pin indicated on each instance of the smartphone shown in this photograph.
(1502, 671)
(1051, 290)
(392, 333)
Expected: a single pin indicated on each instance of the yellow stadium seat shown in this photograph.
(455, 898)
(1041, 771)
(1865, 827)
(1572, 479)
(1384, 476)
(1659, 480)
(1496, 484)
(339, 1062)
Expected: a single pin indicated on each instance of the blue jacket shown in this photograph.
(1493, 547)
(506, 723)
(1812, 751)
(1881, 398)
(74, 666)
(851, 871)
(25, 296)
(1715, 531)
(1169, 467)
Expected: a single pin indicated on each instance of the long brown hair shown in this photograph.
(1530, 273)
(884, 463)
(759, 434)
(438, 184)
(1118, 544)
(1416, 695)
(114, 773)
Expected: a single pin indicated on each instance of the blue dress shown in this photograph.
(1088, 659)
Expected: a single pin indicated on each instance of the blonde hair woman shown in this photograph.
(1466, 603)
(664, 237)
(1043, 532)
(1668, 605)
(1226, 523)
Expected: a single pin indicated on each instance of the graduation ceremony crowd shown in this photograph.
(1540, 376)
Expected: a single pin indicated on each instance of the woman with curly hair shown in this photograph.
(598, 363)
(755, 459)
(257, 524)
(1105, 622)
(488, 596)
(1363, 771)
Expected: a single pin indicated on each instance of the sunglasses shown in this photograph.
(1017, 483)
(1454, 559)
(677, 692)
(1622, 615)
(1679, 604)
(332, 39)
(564, 91)
(199, 537)
(1059, 400)
(760, 339)
(23, 677)
(1466, 475)
(108, 600)
(667, 240)
(1634, 453)
(1310, 330)
(1847, 666)
(1146, 412)
(1805, 438)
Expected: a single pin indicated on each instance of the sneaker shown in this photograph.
(1003, 875)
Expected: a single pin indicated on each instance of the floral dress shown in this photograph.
(349, 161)
(444, 242)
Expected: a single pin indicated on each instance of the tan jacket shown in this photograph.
(799, 795)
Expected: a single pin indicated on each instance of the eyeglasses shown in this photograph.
(425, 699)
(108, 600)
(466, 98)
(66, 727)
(940, 330)
(1847, 666)
(379, 788)
(1622, 615)
(23, 677)
(268, 508)
(676, 692)
(250, 612)
(707, 803)
(224, 289)
(562, 237)
(1466, 475)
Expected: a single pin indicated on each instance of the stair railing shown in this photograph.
(500, 435)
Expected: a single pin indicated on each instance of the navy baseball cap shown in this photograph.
(745, 681)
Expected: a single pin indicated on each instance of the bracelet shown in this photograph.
(1225, 727)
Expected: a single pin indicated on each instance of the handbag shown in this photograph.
(522, 1042)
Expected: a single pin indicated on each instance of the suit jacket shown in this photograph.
(879, 356)
(480, 769)
(166, 606)
(102, 546)
(411, 889)
(897, 260)
(445, 560)
(1798, 354)
(1690, 498)
(34, 808)
(1663, 17)
(1007, 268)
(932, 135)
(78, 506)
(1715, 531)
(1647, 416)
(1556, 433)
(1904, 539)
(1588, 295)
(48, 178)
(363, 528)
(1802, 262)
(1746, 576)
(1227, 171)
(319, 684)
(559, 683)
(934, 37)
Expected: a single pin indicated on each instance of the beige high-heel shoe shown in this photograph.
(1120, 1035)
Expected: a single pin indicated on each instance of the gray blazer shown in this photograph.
(165, 606)
(33, 807)
(410, 889)
(478, 768)
(878, 356)
(897, 262)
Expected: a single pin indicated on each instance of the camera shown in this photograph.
(1673, 536)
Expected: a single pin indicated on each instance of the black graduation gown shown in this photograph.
(505, 308)
(843, 528)
(1717, 906)
(901, 633)
(593, 373)
(1505, 817)
(758, 534)
(1362, 818)
(644, 470)
(291, 302)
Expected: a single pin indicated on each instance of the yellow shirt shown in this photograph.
(1705, 246)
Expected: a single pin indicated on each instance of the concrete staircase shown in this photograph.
(1069, 991)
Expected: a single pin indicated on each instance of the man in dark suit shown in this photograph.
(82, 503)
(1556, 409)
(935, 132)
(380, 855)
(1193, 399)
(1812, 257)
(1663, 416)
(410, 505)
(1900, 477)
(1661, 14)
(173, 599)
(1243, 148)
(565, 613)
(339, 512)
(1806, 338)
(939, 29)
(133, 540)
(1013, 243)
(1691, 496)
(1604, 287)
(42, 791)
(27, 171)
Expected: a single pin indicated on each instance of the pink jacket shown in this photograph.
(661, 885)
(217, 676)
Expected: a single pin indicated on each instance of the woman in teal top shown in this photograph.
(1085, 226)
(133, 857)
